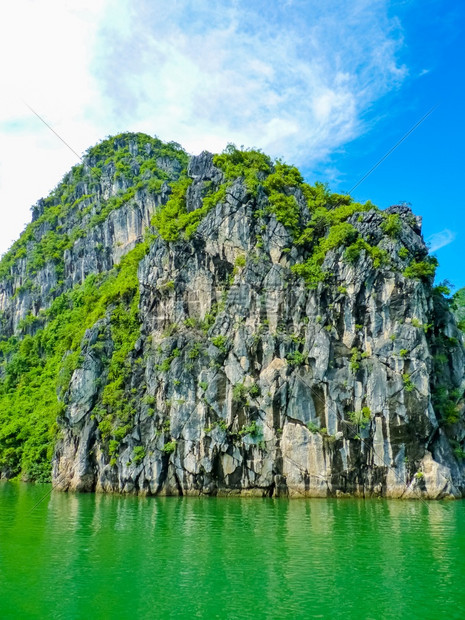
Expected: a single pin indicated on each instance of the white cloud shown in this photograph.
(440, 239)
(294, 78)
(293, 81)
(46, 52)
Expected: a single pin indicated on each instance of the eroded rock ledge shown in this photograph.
(243, 380)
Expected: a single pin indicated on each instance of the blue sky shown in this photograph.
(330, 86)
(425, 170)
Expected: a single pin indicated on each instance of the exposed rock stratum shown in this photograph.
(240, 332)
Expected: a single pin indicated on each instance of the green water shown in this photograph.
(94, 556)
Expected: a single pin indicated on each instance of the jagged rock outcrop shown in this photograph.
(252, 369)
(100, 222)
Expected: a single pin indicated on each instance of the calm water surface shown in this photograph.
(97, 556)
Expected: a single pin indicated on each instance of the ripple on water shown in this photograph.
(81, 556)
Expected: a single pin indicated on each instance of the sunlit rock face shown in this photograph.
(246, 381)
(269, 338)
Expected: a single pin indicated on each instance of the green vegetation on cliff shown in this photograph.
(38, 359)
(316, 218)
(458, 301)
(129, 163)
(36, 369)
(40, 352)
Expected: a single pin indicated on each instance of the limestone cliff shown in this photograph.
(233, 330)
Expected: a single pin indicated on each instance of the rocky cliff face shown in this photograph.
(95, 217)
(275, 340)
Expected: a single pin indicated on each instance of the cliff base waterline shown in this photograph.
(177, 325)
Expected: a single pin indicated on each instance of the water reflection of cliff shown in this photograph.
(118, 557)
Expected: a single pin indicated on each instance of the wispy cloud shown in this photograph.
(294, 77)
(440, 239)
(46, 50)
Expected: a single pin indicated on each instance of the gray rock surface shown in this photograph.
(264, 410)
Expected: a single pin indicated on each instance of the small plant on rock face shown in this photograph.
(423, 270)
(252, 429)
(296, 358)
(312, 427)
(408, 384)
(254, 390)
(113, 446)
(392, 225)
(355, 360)
(169, 447)
(138, 454)
(166, 363)
(403, 352)
(443, 288)
(191, 322)
(240, 394)
(220, 342)
(194, 351)
(240, 261)
(360, 418)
